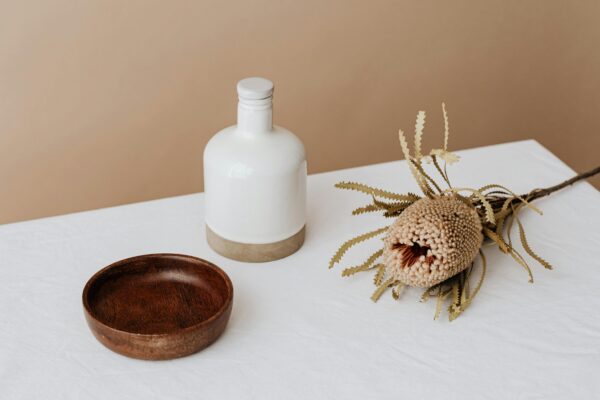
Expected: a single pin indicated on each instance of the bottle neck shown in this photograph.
(255, 116)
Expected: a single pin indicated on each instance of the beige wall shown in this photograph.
(110, 102)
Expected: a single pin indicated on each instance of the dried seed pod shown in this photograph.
(442, 231)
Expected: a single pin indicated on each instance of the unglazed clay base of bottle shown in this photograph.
(255, 182)
(249, 252)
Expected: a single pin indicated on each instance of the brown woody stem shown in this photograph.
(538, 193)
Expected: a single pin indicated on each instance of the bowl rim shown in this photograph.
(226, 305)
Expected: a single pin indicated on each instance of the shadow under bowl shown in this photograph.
(158, 306)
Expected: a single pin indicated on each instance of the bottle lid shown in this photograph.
(255, 88)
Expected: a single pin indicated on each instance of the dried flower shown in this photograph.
(435, 239)
(431, 241)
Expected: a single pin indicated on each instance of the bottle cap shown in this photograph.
(255, 88)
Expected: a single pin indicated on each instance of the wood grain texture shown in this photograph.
(158, 306)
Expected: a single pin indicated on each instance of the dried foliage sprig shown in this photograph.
(435, 238)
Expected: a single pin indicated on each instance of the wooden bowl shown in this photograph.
(158, 306)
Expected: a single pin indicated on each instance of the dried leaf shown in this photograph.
(502, 215)
(440, 302)
(498, 194)
(392, 206)
(496, 238)
(519, 258)
(426, 178)
(419, 126)
(404, 145)
(395, 212)
(516, 196)
(458, 306)
(418, 178)
(483, 270)
(429, 292)
(442, 173)
(364, 266)
(382, 288)
(489, 211)
(464, 293)
(349, 243)
(527, 248)
(446, 127)
(359, 187)
(447, 156)
(397, 290)
(379, 275)
(455, 305)
(393, 209)
(515, 254)
(365, 209)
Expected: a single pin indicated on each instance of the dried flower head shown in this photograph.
(431, 241)
(435, 238)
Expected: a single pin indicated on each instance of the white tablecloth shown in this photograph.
(299, 330)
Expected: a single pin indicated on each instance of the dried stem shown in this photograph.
(539, 193)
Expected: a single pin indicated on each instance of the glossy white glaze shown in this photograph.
(255, 173)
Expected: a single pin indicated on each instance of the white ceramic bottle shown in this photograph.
(255, 182)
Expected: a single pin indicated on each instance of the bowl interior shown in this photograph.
(157, 294)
